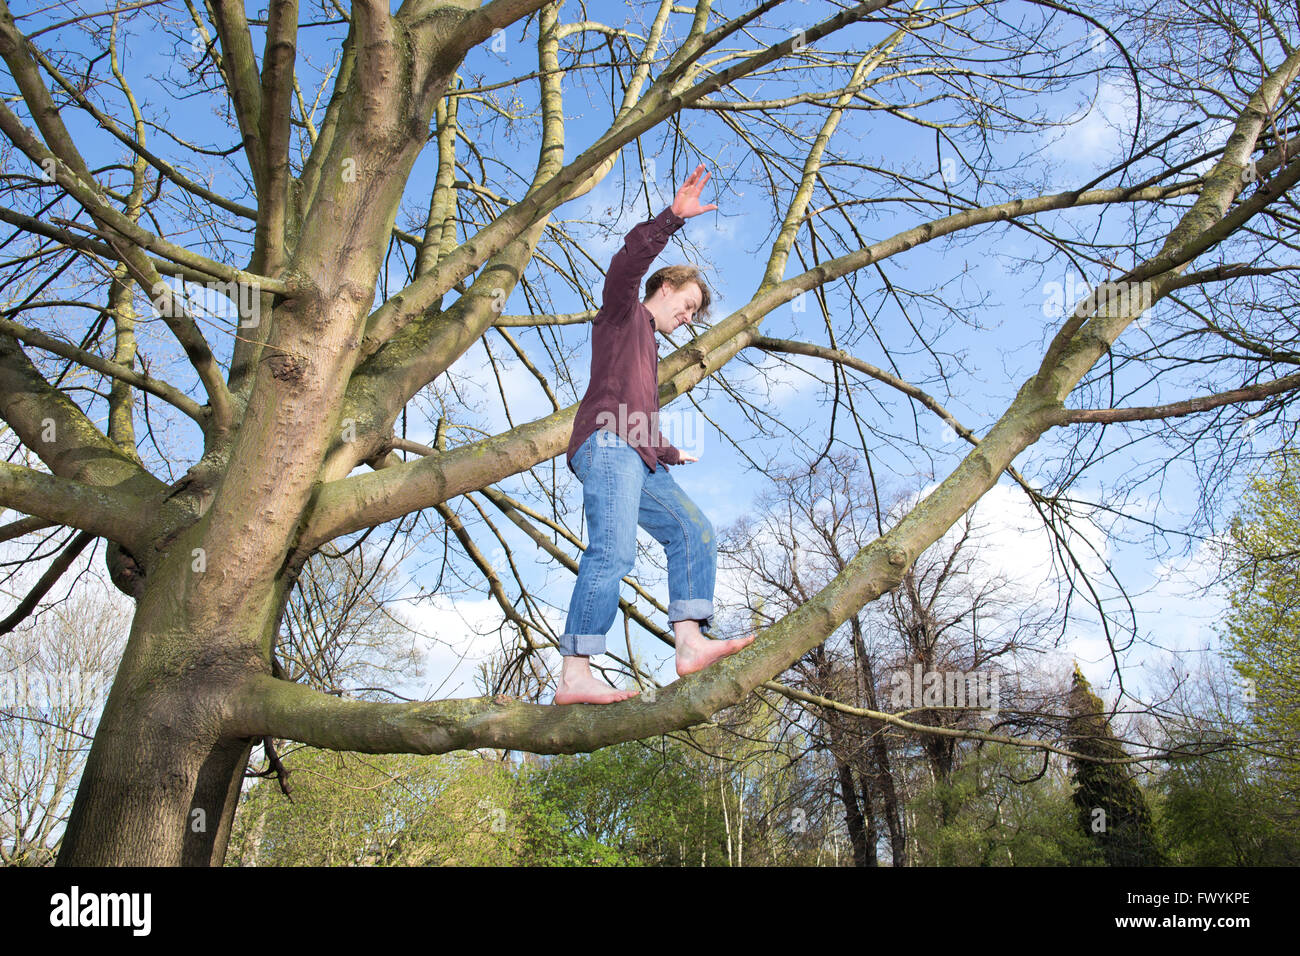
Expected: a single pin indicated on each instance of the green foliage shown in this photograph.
(1214, 811)
(638, 804)
(629, 805)
(1262, 628)
(392, 809)
(550, 839)
(632, 804)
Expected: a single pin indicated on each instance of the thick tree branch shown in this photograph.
(113, 512)
(16, 529)
(239, 67)
(563, 318)
(55, 429)
(273, 131)
(479, 25)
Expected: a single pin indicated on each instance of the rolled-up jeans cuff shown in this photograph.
(691, 609)
(581, 645)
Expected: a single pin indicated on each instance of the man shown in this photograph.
(620, 457)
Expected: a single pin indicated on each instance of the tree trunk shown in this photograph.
(853, 817)
(881, 775)
(163, 777)
(869, 815)
(740, 824)
(726, 817)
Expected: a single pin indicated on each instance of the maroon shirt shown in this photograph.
(623, 394)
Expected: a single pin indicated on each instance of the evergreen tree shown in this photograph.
(1112, 809)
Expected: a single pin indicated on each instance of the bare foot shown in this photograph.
(578, 686)
(694, 653)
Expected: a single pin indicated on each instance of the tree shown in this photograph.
(1001, 807)
(334, 321)
(1220, 810)
(954, 625)
(1234, 805)
(1262, 629)
(796, 541)
(383, 810)
(339, 630)
(1112, 809)
(631, 804)
(54, 675)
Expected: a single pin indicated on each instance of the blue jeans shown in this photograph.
(619, 491)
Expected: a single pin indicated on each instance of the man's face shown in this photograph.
(674, 307)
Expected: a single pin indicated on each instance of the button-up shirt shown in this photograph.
(623, 394)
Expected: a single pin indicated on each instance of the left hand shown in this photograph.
(684, 458)
(687, 202)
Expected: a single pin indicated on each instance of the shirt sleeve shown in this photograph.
(630, 263)
(668, 454)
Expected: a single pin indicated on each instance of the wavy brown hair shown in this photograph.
(678, 276)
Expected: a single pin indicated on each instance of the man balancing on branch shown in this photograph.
(621, 458)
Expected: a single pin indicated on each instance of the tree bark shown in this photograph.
(863, 852)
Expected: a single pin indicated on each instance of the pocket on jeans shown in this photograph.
(582, 460)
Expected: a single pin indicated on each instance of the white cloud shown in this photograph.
(1102, 133)
(458, 635)
(1009, 540)
(779, 381)
(1179, 607)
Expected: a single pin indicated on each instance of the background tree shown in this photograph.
(54, 675)
(383, 810)
(340, 633)
(1001, 806)
(1221, 809)
(631, 804)
(1112, 809)
(952, 614)
(359, 226)
(1262, 629)
(1231, 800)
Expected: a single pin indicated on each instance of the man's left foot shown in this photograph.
(695, 654)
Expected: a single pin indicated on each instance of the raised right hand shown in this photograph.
(687, 201)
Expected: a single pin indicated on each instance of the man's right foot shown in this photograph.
(588, 690)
